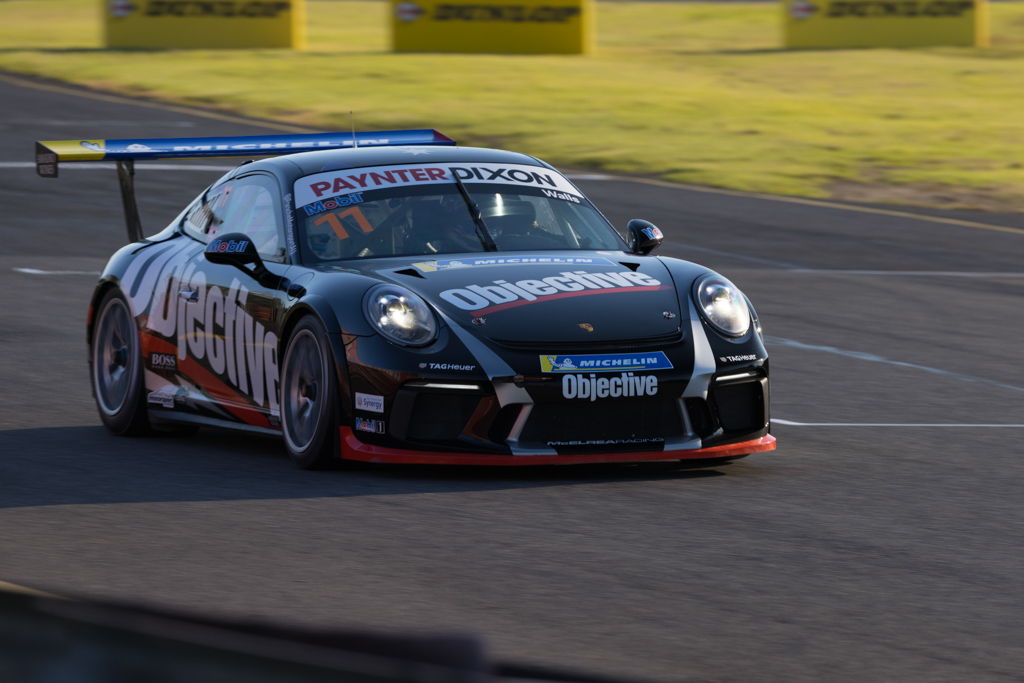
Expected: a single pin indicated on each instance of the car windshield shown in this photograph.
(436, 218)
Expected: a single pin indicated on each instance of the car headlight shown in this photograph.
(722, 305)
(401, 316)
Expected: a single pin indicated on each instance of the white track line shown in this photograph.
(291, 128)
(791, 423)
(911, 273)
(860, 355)
(36, 271)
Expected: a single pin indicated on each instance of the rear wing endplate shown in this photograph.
(51, 153)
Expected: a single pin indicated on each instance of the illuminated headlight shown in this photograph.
(401, 316)
(722, 305)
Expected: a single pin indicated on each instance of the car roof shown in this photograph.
(294, 166)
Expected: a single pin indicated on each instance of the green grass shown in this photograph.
(691, 92)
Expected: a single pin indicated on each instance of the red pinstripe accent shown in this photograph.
(354, 449)
(565, 295)
(204, 378)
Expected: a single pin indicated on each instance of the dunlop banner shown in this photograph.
(885, 23)
(495, 26)
(204, 23)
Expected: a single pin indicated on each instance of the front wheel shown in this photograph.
(115, 366)
(309, 397)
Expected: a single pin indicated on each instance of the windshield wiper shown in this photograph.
(478, 220)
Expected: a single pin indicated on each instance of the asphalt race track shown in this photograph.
(880, 542)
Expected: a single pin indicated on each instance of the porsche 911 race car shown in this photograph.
(391, 297)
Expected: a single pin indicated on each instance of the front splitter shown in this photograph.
(354, 449)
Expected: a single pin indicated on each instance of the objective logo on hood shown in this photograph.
(501, 294)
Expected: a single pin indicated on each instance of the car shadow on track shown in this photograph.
(86, 465)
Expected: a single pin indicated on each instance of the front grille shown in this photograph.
(601, 425)
(741, 406)
(625, 346)
(438, 416)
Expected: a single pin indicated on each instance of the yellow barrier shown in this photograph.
(885, 23)
(495, 26)
(204, 24)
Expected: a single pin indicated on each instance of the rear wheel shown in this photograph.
(116, 367)
(309, 397)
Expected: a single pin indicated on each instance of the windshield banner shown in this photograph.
(331, 184)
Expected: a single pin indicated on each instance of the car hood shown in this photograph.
(563, 298)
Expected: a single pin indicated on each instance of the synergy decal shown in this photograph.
(592, 387)
(333, 203)
(501, 294)
(605, 362)
(215, 328)
(518, 260)
(331, 183)
(369, 402)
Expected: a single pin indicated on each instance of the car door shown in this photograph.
(226, 322)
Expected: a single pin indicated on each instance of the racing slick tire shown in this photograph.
(309, 397)
(115, 368)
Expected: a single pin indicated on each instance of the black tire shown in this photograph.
(309, 397)
(115, 368)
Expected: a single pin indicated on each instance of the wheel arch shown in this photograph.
(100, 291)
(324, 312)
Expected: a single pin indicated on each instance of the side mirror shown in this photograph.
(236, 249)
(643, 236)
(233, 249)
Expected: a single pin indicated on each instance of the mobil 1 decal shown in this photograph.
(335, 184)
(206, 328)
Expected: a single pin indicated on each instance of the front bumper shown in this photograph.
(354, 449)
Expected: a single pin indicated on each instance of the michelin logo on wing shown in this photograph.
(605, 362)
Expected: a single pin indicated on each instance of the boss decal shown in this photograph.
(163, 361)
(605, 362)
(592, 387)
(483, 299)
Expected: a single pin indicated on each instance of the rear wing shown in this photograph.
(51, 153)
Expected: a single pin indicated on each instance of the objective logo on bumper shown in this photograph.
(483, 299)
(606, 362)
(591, 387)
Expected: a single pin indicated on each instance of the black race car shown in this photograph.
(391, 297)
